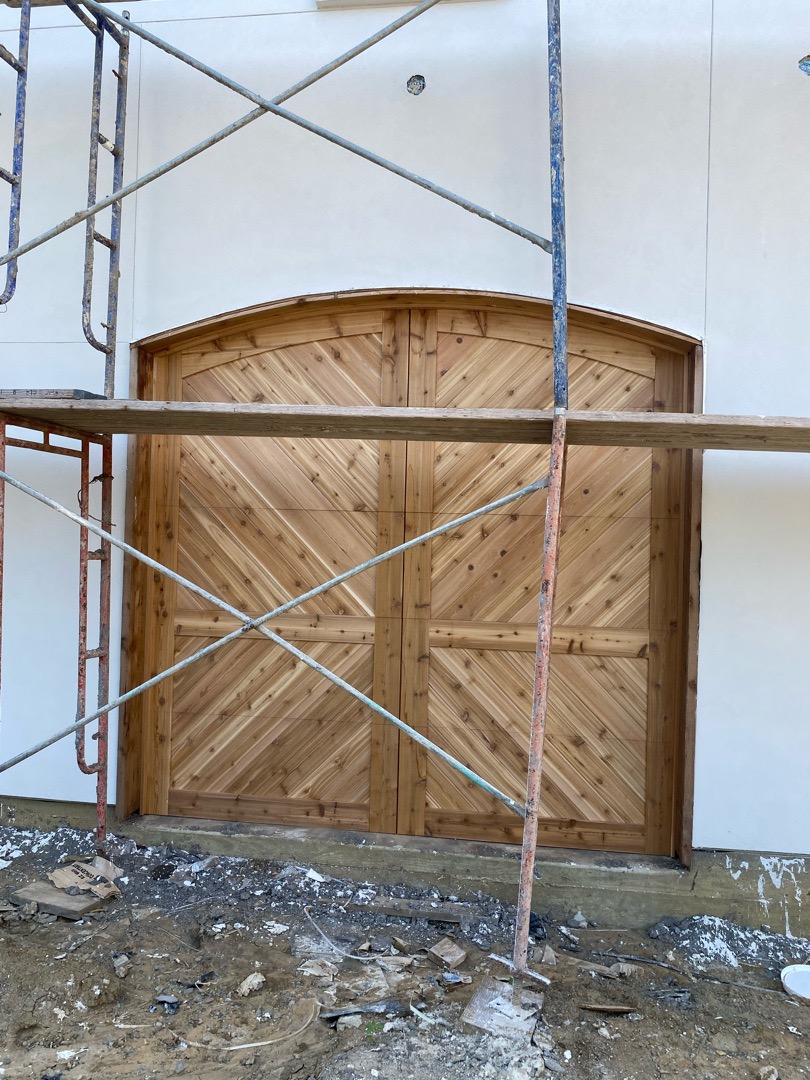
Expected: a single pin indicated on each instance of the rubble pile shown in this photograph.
(156, 961)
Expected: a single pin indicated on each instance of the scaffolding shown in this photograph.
(92, 422)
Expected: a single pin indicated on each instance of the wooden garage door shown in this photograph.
(445, 636)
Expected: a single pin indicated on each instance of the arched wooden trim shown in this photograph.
(358, 300)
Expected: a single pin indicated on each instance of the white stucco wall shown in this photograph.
(687, 158)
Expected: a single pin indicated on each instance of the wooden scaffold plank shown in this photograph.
(679, 430)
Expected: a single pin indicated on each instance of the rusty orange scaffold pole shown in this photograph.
(551, 546)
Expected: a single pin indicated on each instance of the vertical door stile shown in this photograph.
(685, 778)
(388, 598)
(416, 599)
(135, 627)
(667, 570)
(159, 593)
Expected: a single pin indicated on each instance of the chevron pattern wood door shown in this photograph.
(471, 600)
(254, 733)
(445, 636)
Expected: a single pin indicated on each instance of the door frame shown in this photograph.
(679, 388)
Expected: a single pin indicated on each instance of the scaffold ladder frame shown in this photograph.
(106, 21)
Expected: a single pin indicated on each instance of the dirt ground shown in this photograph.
(191, 930)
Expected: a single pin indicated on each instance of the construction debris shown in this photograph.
(169, 1002)
(492, 1009)
(410, 909)
(618, 970)
(65, 893)
(319, 969)
(254, 981)
(186, 949)
(604, 1007)
(97, 877)
(507, 963)
(349, 1020)
(447, 953)
(455, 978)
(121, 965)
(46, 897)
(386, 1007)
(673, 995)
(571, 939)
(623, 970)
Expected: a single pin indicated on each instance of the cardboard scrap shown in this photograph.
(319, 968)
(96, 877)
(623, 970)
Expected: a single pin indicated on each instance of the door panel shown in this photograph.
(254, 731)
(478, 586)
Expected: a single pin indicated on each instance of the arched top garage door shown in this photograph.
(444, 636)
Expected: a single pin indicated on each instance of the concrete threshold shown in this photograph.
(753, 888)
(615, 890)
(566, 879)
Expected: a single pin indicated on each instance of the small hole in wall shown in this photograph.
(416, 84)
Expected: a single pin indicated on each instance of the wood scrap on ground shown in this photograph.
(54, 901)
(446, 953)
(617, 1010)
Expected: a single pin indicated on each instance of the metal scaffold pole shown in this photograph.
(551, 538)
(14, 176)
(52, 441)
(115, 147)
(100, 653)
(2, 537)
